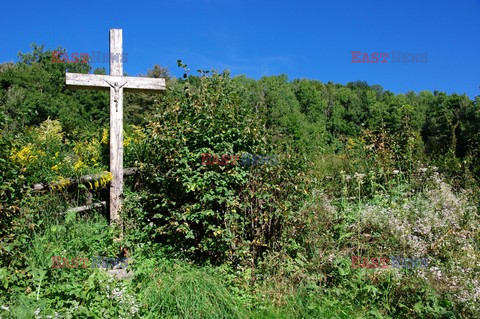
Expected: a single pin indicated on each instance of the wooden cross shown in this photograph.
(116, 83)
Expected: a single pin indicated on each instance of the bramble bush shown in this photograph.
(230, 213)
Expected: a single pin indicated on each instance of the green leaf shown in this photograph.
(70, 217)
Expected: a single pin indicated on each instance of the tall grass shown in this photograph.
(310, 276)
(184, 291)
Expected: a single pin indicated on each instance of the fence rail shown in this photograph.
(38, 187)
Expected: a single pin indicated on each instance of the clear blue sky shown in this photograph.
(303, 39)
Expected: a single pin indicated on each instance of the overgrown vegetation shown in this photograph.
(362, 172)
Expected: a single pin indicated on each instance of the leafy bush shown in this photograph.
(208, 210)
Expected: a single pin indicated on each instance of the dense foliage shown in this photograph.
(361, 171)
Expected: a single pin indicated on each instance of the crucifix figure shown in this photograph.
(116, 83)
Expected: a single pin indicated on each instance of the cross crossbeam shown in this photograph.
(101, 82)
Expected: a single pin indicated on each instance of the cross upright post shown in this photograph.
(116, 125)
(116, 83)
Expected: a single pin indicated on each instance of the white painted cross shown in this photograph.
(116, 83)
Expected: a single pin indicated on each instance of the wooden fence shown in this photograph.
(87, 179)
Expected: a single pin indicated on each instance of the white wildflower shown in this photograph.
(134, 309)
(359, 176)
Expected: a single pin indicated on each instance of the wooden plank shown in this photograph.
(87, 207)
(116, 50)
(116, 129)
(83, 179)
(87, 81)
(139, 84)
(99, 82)
(116, 153)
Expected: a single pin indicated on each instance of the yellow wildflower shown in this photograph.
(24, 156)
(61, 183)
(106, 178)
(50, 129)
(127, 141)
(138, 133)
(104, 136)
(87, 151)
(79, 165)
